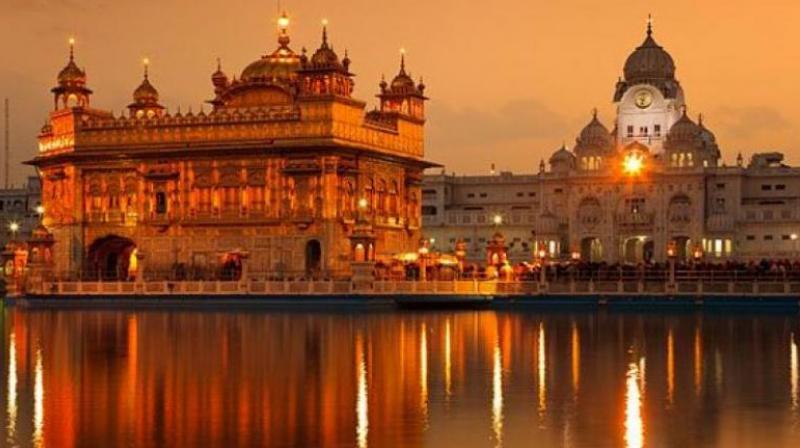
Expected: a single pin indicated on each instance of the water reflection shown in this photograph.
(634, 426)
(38, 401)
(497, 396)
(383, 378)
(362, 400)
(11, 395)
(793, 367)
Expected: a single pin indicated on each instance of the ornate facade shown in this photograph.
(276, 173)
(651, 185)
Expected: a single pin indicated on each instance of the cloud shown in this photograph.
(521, 119)
(748, 122)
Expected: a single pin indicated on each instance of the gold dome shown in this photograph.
(71, 74)
(145, 93)
(281, 65)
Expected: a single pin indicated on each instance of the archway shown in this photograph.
(682, 247)
(591, 250)
(112, 258)
(313, 257)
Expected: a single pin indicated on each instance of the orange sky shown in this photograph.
(509, 80)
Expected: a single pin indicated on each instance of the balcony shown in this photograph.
(635, 220)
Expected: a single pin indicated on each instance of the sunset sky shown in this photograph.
(509, 80)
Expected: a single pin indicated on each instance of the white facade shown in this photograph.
(651, 184)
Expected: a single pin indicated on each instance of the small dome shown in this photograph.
(71, 74)
(595, 134)
(325, 56)
(219, 78)
(403, 82)
(684, 130)
(145, 93)
(649, 62)
(562, 154)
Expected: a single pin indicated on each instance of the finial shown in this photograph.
(683, 110)
(594, 113)
(700, 119)
(219, 64)
(146, 63)
(324, 32)
(71, 49)
(649, 25)
(402, 60)
(283, 27)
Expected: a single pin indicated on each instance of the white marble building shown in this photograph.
(654, 181)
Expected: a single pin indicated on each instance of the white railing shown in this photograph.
(393, 288)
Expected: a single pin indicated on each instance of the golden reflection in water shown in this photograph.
(542, 370)
(11, 397)
(576, 358)
(497, 396)
(698, 360)
(362, 399)
(670, 367)
(38, 401)
(634, 426)
(448, 362)
(793, 370)
(423, 372)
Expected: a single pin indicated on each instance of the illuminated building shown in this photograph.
(654, 181)
(270, 176)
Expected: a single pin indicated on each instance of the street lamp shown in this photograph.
(497, 219)
(14, 228)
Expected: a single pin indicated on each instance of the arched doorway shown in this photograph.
(313, 258)
(112, 258)
(682, 247)
(591, 250)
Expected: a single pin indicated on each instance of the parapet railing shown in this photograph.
(437, 287)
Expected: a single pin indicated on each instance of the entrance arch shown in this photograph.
(313, 257)
(591, 250)
(112, 258)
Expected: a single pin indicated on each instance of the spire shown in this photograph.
(649, 25)
(71, 49)
(219, 65)
(146, 63)
(402, 61)
(594, 113)
(324, 33)
(283, 29)
(700, 119)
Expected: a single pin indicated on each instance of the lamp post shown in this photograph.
(671, 254)
(542, 266)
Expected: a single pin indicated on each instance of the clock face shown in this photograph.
(643, 99)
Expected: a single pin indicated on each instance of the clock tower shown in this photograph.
(649, 99)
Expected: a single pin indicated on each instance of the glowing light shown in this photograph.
(146, 61)
(362, 398)
(448, 363)
(423, 372)
(793, 371)
(283, 22)
(363, 203)
(698, 361)
(38, 402)
(576, 357)
(71, 41)
(670, 367)
(793, 236)
(634, 425)
(497, 219)
(402, 50)
(541, 368)
(324, 22)
(13, 227)
(11, 397)
(39, 210)
(633, 164)
(497, 396)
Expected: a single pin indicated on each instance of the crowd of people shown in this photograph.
(555, 271)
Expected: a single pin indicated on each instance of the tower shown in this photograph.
(649, 99)
(145, 98)
(71, 91)
(403, 96)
